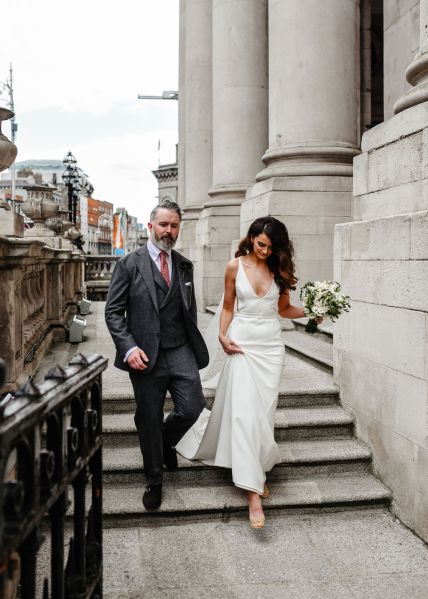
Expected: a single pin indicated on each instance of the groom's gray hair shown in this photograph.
(168, 205)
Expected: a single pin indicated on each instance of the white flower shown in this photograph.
(323, 298)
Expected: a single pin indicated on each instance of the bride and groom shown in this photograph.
(151, 315)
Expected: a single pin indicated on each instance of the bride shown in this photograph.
(239, 431)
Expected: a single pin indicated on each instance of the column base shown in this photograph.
(217, 228)
(310, 207)
(186, 239)
(314, 159)
(416, 75)
(226, 195)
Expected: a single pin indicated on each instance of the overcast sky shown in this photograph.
(78, 68)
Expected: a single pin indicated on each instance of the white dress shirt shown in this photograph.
(154, 253)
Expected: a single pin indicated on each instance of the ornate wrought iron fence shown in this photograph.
(50, 443)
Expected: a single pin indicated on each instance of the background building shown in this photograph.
(167, 177)
(132, 237)
(100, 227)
(44, 171)
(128, 234)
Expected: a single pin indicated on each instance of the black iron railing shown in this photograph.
(51, 470)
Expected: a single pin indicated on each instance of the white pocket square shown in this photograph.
(189, 284)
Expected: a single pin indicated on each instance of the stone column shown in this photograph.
(417, 71)
(239, 130)
(313, 126)
(195, 115)
(181, 104)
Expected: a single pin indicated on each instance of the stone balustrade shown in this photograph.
(98, 271)
(39, 288)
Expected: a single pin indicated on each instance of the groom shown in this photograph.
(151, 315)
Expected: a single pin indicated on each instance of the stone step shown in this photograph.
(309, 346)
(122, 464)
(123, 502)
(325, 329)
(290, 424)
(327, 395)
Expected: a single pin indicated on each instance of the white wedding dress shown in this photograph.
(238, 433)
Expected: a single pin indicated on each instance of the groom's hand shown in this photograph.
(137, 359)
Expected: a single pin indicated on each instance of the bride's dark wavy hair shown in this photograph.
(280, 262)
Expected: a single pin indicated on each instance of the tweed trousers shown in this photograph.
(175, 371)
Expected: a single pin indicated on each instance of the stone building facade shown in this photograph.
(100, 227)
(167, 178)
(253, 144)
(317, 113)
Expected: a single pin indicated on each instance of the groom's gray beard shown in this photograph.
(163, 243)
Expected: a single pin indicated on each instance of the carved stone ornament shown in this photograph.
(8, 150)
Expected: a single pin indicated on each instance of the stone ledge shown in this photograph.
(401, 125)
(397, 237)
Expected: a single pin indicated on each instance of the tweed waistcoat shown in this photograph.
(172, 329)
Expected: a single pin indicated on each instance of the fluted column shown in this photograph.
(195, 115)
(239, 129)
(314, 111)
(417, 71)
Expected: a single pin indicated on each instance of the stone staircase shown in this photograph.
(323, 464)
(318, 346)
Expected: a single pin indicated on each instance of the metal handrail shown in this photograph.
(50, 433)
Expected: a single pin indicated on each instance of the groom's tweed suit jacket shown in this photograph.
(133, 314)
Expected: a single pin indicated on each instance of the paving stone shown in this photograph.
(296, 556)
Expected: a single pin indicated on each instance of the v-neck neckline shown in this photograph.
(249, 283)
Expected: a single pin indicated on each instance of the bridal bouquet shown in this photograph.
(322, 298)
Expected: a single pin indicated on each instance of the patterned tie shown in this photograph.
(164, 267)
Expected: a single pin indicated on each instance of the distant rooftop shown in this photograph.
(40, 164)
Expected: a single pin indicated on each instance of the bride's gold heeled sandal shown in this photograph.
(257, 521)
(265, 493)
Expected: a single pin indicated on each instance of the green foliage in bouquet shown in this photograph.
(322, 299)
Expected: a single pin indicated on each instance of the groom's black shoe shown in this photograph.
(152, 497)
(169, 456)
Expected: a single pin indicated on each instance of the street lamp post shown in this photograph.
(76, 191)
(71, 180)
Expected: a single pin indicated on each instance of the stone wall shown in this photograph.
(38, 287)
(381, 346)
